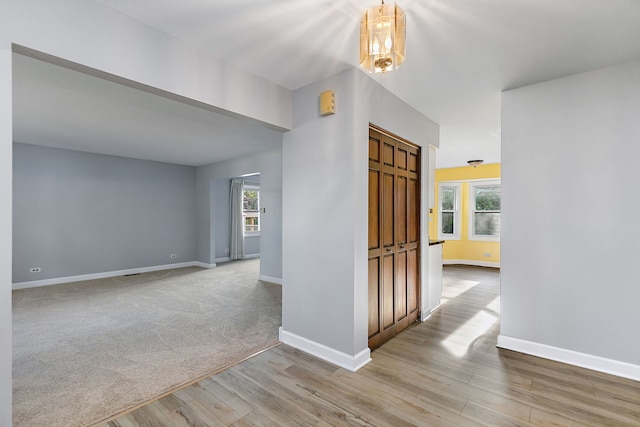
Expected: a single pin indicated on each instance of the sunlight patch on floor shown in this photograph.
(494, 305)
(452, 290)
(461, 339)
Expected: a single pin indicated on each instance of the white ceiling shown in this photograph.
(460, 55)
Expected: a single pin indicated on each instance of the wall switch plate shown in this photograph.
(35, 270)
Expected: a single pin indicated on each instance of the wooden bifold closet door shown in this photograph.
(394, 236)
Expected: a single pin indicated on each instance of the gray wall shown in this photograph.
(211, 189)
(222, 212)
(252, 245)
(569, 217)
(79, 213)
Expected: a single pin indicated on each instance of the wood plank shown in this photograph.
(371, 411)
(255, 419)
(287, 387)
(406, 401)
(488, 417)
(544, 418)
(278, 409)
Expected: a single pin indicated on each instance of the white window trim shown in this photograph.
(251, 233)
(472, 209)
(457, 216)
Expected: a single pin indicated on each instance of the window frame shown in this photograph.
(250, 213)
(472, 209)
(457, 211)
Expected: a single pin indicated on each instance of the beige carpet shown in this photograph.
(88, 350)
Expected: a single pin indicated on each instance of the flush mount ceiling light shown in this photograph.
(382, 38)
(475, 163)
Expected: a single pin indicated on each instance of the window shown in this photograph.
(251, 210)
(485, 210)
(449, 212)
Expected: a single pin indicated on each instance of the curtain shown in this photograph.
(237, 226)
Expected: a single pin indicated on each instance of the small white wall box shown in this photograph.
(327, 103)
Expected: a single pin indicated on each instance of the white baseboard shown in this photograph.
(338, 358)
(596, 363)
(471, 262)
(226, 258)
(424, 315)
(270, 279)
(203, 264)
(106, 274)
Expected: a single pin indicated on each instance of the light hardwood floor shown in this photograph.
(445, 371)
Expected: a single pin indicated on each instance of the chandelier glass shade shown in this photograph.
(382, 38)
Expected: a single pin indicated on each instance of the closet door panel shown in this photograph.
(401, 288)
(374, 296)
(401, 211)
(374, 209)
(413, 288)
(388, 226)
(414, 208)
(388, 292)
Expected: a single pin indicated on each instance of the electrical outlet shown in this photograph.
(226, 251)
(487, 254)
(35, 270)
(174, 255)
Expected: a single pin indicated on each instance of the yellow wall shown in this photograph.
(465, 249)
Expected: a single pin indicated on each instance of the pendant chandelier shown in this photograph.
(382, 38)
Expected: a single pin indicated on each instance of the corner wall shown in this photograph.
(325, 305)
(569, 288)
(318, 235)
